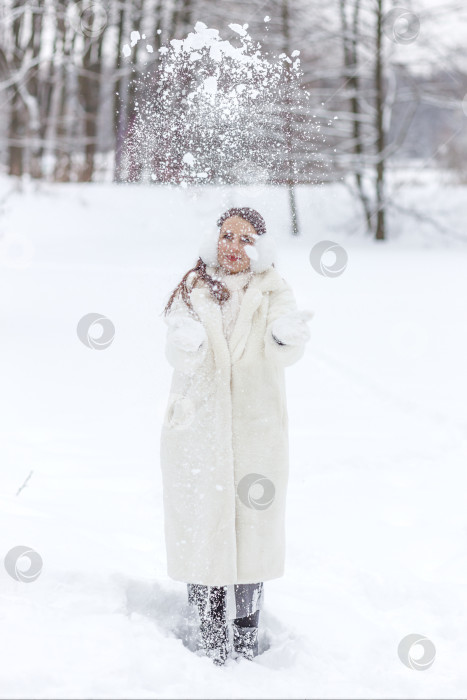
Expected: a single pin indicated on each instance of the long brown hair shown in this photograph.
(218, 290)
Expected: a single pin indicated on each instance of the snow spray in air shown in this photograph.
(212, 110)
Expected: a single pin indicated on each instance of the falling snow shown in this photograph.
(222, 103)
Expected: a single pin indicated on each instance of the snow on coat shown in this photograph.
(224, 441)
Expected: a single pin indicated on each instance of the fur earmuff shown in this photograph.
(208, 247)
(265, 250)
(262, 254)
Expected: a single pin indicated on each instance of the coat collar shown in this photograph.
(266, 281)
(210, 314)
(235, 281)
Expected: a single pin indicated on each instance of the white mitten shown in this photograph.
(186, 333)
(291, 328)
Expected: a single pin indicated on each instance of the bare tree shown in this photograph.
(89, 83)
(71, 93)
(290, 183)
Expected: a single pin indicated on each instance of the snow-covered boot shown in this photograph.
(245, 641)
(215, 640)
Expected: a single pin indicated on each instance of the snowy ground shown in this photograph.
(376, 523)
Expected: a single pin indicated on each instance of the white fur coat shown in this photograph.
(225, 438)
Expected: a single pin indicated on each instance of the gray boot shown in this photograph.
(215, 640)
(245, 641)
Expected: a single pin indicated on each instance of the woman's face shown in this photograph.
(234, 235)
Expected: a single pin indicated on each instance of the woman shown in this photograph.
(233, 325)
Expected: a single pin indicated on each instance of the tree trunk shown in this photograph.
(355, 107)
(351, 63)
(56, 103)
(380, 166)
(288, 122)
(18, 117)
(89, 88)
(121, 97)
(36, 128)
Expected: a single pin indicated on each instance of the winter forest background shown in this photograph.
(126, 128)
(342, 91)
